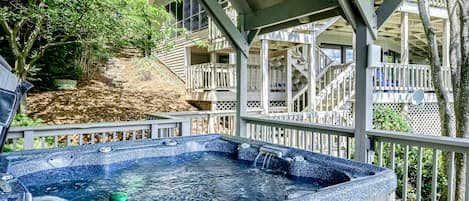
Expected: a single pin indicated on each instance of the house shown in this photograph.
(286, 67)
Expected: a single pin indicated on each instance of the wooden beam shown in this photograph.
(295, 22)
(252, 35)
(368, 14)
(349, 12)
(385, 10)
(224, 23)
(287, 11)
(326, 26)
(242, 7)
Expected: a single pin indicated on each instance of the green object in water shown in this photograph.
(119, 196)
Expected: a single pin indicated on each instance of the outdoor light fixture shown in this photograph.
(374, 55)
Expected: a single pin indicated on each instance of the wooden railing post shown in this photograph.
(28, 140)
(211, 123)
(154, 131)
(185, 128)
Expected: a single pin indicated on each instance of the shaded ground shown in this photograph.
(126, 89)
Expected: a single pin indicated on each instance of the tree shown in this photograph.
(34, 26)
(458, 12)
(147, 26)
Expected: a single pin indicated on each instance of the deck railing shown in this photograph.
(407, 77)
(327, 139)
(221, 76)
(416, 159)
(27, 138)
(204, 122)
(434, 3)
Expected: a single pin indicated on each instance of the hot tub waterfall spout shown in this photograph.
(268, 153)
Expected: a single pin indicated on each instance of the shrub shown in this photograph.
(385, 118)
(22, 120)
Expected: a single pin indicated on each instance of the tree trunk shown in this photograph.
(462, 97)
(441, 91)
(21, 71)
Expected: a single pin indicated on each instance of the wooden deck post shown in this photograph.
(241, 83)
(264, 57)
(404, 38)
(312, 58)
(363, 92)
(28, 140)
(288, 90)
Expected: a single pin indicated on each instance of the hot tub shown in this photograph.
(210, 167)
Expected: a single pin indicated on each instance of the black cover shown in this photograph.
(9, 103)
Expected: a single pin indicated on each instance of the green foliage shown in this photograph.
(143, 26)
(34, 30)
(385, 118)
(22, 120)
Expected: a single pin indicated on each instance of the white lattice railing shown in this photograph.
(210, 76)
(220, 76)
(406, 77)
(337, 86)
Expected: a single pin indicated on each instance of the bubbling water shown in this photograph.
(194, 176)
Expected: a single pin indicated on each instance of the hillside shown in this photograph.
(125, 89)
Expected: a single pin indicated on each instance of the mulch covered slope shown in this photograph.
(99, 101)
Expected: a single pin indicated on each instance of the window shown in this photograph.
(348, 55)
(392, 57)
(334, 54)
(338, 53)
(188, 14)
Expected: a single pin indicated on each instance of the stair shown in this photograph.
(334, 86)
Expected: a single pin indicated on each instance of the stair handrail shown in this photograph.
(331, 86)
(351, 67)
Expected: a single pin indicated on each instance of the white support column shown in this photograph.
(446, 43)
(363, 93)
(404, 38)
(213, 57)
(288, 90)
(187, 64)
(264, 57)
(232, 58)
(312, 75)
(213, 61)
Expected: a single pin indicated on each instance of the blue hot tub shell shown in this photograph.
(350, 180)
